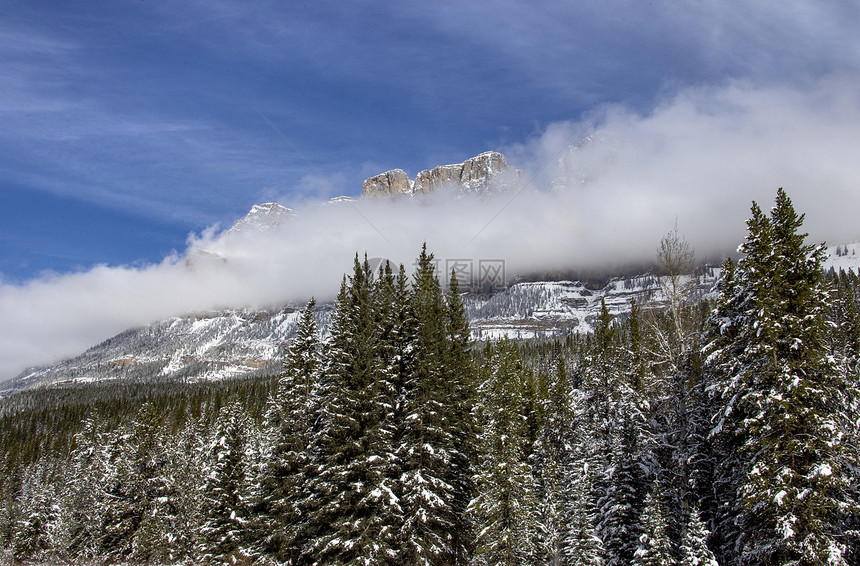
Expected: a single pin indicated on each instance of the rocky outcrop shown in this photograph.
(480, 175)
(392, 183)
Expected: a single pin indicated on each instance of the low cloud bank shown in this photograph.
(699, 158)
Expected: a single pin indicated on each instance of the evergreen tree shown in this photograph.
(722, 349)
(34, 534)
(616, 419)
(188, 463)
(226, 504)
(783, 398)
(654, 546)
(694, 549)
(292, 412)
(505, 505)
(139, 514)
(553, 459)
(428, 440)
(460, 399)
(359, 516)
(82, 505)
(581, 544)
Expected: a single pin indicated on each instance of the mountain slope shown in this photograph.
(233, 343)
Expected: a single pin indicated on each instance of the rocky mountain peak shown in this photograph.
(266, 216)
(480, 175)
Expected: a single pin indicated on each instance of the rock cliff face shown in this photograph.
(482, 174)
(393, 183)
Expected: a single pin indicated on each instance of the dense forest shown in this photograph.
(693, 432)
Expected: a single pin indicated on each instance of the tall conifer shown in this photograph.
(783, 398)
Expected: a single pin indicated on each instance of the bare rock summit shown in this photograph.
(483, 174)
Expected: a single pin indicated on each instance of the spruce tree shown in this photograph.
(460, 401)
(286, 487)
(226, 504)
(428, 440)
(783, 397)
(694, 549)
(85, 496)
(359, 515)
(505, 505)
(34, 534)
(139, 515)
(654, 547)
(581, 545)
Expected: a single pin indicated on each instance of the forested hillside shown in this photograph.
(696, 433)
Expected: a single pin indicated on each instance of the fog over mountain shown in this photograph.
(596, 192)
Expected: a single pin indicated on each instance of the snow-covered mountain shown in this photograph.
(263, 217)
(234, 343)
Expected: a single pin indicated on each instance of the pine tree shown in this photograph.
(428, 440)
(618, 500)
(505, 505)
(359, 515)
(616, 419)
(553, 458)
(722, 350)
(137, 521)
(783, 398)
(654, 546)
(694, 549)
(226, 505)
(85, 495)
(581, 545)
(34, 533)
(188, 462)
(460, 401)
(292, 412)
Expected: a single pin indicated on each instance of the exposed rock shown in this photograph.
(482, 174)
(473, 175)
(390, 184)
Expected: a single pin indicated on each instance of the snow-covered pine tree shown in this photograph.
(359, 515)
(139, 510)
(722, 347)
(694, 549)
(428, 440)
(460, 403)
(286, 491)
(619, 499)
(226, 505)
(654, 548)
(188, 462)
(581, 545)
(615, 416)
(505, 505)
(784, 399)
(34, 533)
(553, 458)
(80, 506)
(396, 325)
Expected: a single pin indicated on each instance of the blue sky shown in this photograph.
(125, 126)
(130, 131)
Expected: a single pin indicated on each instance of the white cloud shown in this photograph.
(700, 157)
